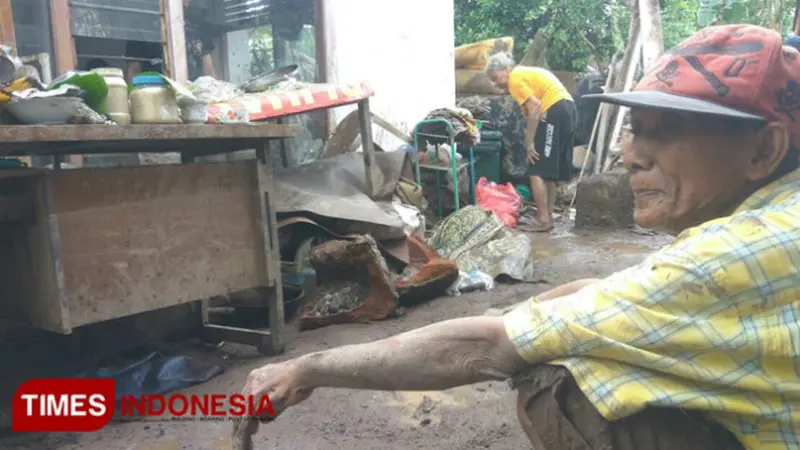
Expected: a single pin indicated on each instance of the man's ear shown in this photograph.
(772, 144)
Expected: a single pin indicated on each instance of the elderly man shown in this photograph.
(694, 348)
(550, 134)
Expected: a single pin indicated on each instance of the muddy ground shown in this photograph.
(471, 417)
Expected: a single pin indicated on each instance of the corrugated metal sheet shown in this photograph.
(240, 13)
(135, 20)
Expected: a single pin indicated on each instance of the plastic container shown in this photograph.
(488, 135)
(194, 113)
(117, 99)
(524, 192)
(153, 101)
(487, 160)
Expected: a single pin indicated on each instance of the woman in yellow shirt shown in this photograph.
(552, 120)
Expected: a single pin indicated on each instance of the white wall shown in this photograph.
(238, 70)
(403, 49)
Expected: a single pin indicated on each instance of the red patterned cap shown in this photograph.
(741, 71)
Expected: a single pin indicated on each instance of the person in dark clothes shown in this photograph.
(199, 46)
(148, 54)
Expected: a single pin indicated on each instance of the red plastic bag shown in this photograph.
(501, 199)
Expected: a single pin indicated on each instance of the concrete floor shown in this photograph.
(470, 417)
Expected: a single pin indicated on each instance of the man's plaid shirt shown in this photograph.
(710, 323)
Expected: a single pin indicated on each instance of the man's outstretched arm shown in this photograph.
(439, 356)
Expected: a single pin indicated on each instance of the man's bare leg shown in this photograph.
(552, 191)
(540, 199)
(561, 291)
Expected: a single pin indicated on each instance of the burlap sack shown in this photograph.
(476, 55)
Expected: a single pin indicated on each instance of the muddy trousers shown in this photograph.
(557, 416)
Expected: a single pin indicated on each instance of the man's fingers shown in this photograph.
(243, 430)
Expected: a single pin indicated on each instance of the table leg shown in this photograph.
(268, 342)
(365, 120)
(282, 144)
(269, 228)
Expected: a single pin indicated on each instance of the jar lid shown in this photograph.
(108, 71)
(143, 79)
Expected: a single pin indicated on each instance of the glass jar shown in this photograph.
(153, 101)
(117, 99)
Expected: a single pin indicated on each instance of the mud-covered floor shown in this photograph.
(471, 417)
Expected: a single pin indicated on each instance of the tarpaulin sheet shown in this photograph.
(336, 188)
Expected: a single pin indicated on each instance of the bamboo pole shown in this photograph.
(600, 112)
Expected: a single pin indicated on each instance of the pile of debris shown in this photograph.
(351, 257)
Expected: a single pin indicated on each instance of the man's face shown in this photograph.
(685, 169)
(500, 78)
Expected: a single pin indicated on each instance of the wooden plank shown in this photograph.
(321, 51)
(7, 36)
(195, 148)
(45, 301)
(79, 133)
(365, 120)
(63, 42)
(629, 78)
(270, 257)
(172, 26)
(141, 238)
(600, 113)
(621, 80)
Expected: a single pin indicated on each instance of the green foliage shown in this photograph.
(582, 29)
(261, 50)
(578, 29)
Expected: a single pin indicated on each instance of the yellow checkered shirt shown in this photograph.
(709, 323)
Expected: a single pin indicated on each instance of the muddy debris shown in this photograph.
(339, 297)
(605, 201)
(353, 283)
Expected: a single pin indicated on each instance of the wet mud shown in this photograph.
(471, 417)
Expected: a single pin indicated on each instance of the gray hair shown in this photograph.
(499, 62)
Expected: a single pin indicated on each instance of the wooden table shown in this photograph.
(97, 244)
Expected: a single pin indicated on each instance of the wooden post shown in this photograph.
(604, 133)
(620, 113)
(63, 42)
(172, 28)
(7, 36)
(365, 120)
(322, 60)
(64, 49)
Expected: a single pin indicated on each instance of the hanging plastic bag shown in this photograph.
(501, 199)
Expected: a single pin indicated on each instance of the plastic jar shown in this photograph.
(153, 101)
(117, 99)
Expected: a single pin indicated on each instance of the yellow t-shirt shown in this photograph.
(525, 82)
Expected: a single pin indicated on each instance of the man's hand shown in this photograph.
(280, 383)
(533, 155)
